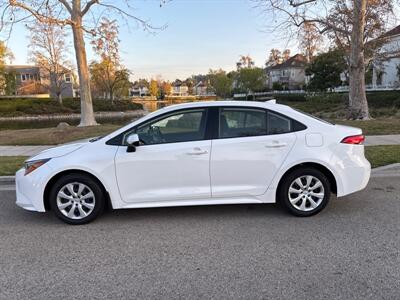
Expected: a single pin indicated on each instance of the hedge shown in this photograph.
(21, 107)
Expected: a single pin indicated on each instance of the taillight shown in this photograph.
(354, 140)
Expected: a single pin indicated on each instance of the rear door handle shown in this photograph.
(276, 145)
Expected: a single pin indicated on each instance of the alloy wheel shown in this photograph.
(306, 193)
(76, 200)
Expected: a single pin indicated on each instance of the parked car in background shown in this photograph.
(204, 153)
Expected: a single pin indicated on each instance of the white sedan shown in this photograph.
(203, 153)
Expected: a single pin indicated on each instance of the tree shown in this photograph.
(5, 55)
(310, 40)
(109, 76)
(245, 61)
(153, 88)
(251, 80)
(325, 70)
(48, 50)
(220, 83)
(167, 88)
(275, 58)
(108, 81)
(190, 84)
(285, 55)
(77, 16)
(355, 25)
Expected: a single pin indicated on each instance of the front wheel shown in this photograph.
(305, 192)
(77, 199)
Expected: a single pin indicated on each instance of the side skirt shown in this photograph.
(211, 201)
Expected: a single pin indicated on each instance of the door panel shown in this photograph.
(164, 172)
(246, 166)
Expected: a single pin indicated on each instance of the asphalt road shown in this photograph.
(349, 251)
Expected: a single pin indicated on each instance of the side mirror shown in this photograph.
(132, 141)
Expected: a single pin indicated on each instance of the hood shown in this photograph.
(59, 150)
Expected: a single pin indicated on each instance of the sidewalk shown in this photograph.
(22, 150)
(372, 140)
(378, 140)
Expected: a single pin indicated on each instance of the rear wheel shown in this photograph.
(77, 199)
(305, 192)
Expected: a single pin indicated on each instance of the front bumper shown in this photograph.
(30, 189)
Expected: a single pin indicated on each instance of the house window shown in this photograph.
(28, 77)
(67, 77)
(379, 77)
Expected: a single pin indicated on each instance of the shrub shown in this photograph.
(28, 106)
(277, 86)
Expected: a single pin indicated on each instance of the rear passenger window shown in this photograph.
(278, 124)
(235, 122)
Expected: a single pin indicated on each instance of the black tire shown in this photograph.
(293, 207)
(91, 186)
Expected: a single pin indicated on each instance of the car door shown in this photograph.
(251, 147)
(172, 162)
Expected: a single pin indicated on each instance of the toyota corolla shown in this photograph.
(203, 153)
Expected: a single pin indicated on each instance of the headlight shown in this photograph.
(32, 165)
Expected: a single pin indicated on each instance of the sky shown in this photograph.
(199, 35)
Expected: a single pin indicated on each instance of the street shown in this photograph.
(349, 251)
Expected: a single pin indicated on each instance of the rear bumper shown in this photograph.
(355, 179)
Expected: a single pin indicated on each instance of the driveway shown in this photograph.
(349, 251)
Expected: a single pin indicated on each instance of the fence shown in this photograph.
(368, 88)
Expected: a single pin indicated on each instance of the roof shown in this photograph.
(394, 31)
(21, 67)
(137, 85)
(296, 61)
(201, 84)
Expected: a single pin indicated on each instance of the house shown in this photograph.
(290, 74)
(200, 89)
(32, 80)
(386, 71)
(139, 89)
(179, 88)
(26, 79)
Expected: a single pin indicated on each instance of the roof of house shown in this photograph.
(178, 83)
(16, 67)
(296, 61)
(394, 31)
(201, 84)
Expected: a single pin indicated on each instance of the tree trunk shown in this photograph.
(358, 105)
(87, 114)
(112, 96)
(59, 98)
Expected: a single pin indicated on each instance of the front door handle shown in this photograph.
(197, 151)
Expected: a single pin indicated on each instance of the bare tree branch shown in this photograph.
(67, 6)
(88, 6)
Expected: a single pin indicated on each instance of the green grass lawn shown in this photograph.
(379, 126)
(377, 155)
(53, 136)
(10, 164)
(382, 155)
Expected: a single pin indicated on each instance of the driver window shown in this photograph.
(180, 127)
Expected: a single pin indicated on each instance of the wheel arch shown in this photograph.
(323, 169)
(55, 177)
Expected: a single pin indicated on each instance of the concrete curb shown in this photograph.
(376, 172)
(7, 180)
(387, 167)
